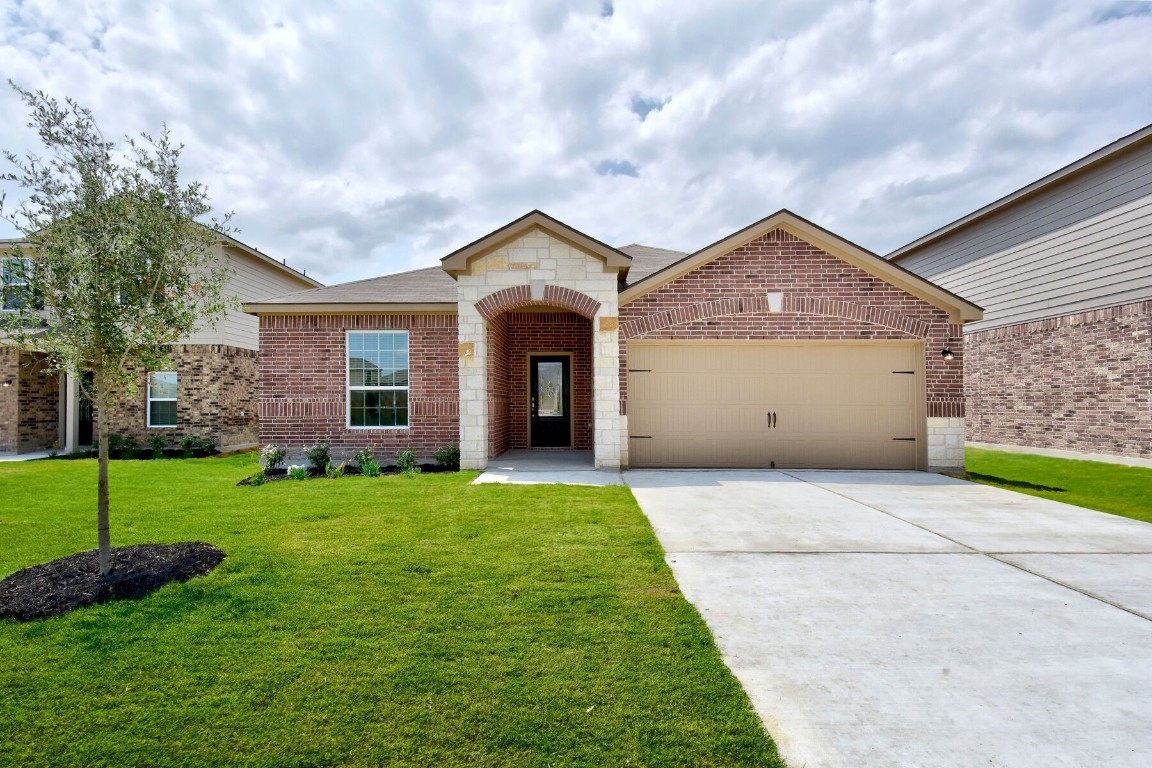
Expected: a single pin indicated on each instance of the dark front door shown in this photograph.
(550, 403)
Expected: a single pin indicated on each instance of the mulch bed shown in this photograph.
(61, 586)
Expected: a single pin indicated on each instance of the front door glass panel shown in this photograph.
(550, 394)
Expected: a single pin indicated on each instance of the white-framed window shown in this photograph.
(14, 282)
(377, 379)
(162, 399)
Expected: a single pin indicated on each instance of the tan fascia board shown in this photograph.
(362, 308)
(1055, 178)
(458, 261)
(958, 309)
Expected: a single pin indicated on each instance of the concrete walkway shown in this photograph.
(24, 456)
(908, 619)
(533, 467)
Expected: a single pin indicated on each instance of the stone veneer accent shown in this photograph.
(215, 397)
(535, 269)
(303, 395)
(824, 298)
(945, 444)
(1080, 382)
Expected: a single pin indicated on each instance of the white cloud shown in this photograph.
(359, 141)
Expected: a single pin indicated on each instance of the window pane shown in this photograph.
(162, 385)
(550, 389)
(162, 413)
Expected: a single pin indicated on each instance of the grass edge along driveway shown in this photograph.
(363, 621)
(1114, 488)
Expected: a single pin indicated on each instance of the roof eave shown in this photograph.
(350, 308)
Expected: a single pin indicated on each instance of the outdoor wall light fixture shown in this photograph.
(8, 382)
(946, 353)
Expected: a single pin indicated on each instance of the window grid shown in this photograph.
(377, 379)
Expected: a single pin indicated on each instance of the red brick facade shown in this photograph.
(824, 298)
(512, 337)
(1080, 382)
(303, 364)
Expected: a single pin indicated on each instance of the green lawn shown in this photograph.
(362, 621)
(1111, 488)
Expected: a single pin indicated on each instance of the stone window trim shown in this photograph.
(152, 377)
(349, 388)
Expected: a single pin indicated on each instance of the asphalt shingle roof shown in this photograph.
(432, 285)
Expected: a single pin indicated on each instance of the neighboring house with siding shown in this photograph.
(209, 392)
(780, 345)
(1063, 269)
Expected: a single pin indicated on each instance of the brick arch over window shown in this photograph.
(519, 296)
(792, 304)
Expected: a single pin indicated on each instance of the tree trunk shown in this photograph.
(100, 397)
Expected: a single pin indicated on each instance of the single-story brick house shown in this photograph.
(1062, 360)
(781, 345)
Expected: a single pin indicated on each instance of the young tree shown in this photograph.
(118, 261)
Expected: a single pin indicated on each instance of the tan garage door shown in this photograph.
(826, 405)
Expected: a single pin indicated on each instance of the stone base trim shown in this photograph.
(945, 444)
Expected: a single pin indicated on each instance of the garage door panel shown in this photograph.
(834, 405)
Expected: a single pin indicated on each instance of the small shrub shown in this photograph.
(319, 453)
(122, 446)
(334, 471)
(189, 444)
(406, 461)
(370, 468)
(272, 456)
(449, 456)
(158, 443)
(258, 479)
(298, 472)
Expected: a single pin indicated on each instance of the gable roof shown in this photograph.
(421, 290)
(646, 260)
(1117, 147)
(959, 310)
(457, 261)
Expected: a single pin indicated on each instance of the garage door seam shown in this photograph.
(975, 550)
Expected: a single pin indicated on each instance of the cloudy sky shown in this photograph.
(356, 139)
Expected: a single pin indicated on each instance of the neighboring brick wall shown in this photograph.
(215, 397)
(29, 405)
(39, 424)
(302, 383)
(531, 332)
(9, 399)
(824, 298)
(1081, 382)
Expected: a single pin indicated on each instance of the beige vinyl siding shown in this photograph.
(250, 280)
(1082, 245)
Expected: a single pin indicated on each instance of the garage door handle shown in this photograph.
(772, 419)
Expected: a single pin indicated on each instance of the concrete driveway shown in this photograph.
(908, 619)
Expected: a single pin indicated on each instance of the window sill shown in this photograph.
(378, 429)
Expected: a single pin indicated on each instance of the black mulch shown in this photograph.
(281, 473)
(55, 588)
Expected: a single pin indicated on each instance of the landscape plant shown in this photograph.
(406, 461)
(116, 262)
(298, 472)
(319, 453)
(333, 471)
(365, 460)
(449, 456)
(158, 443)
(273, 456)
